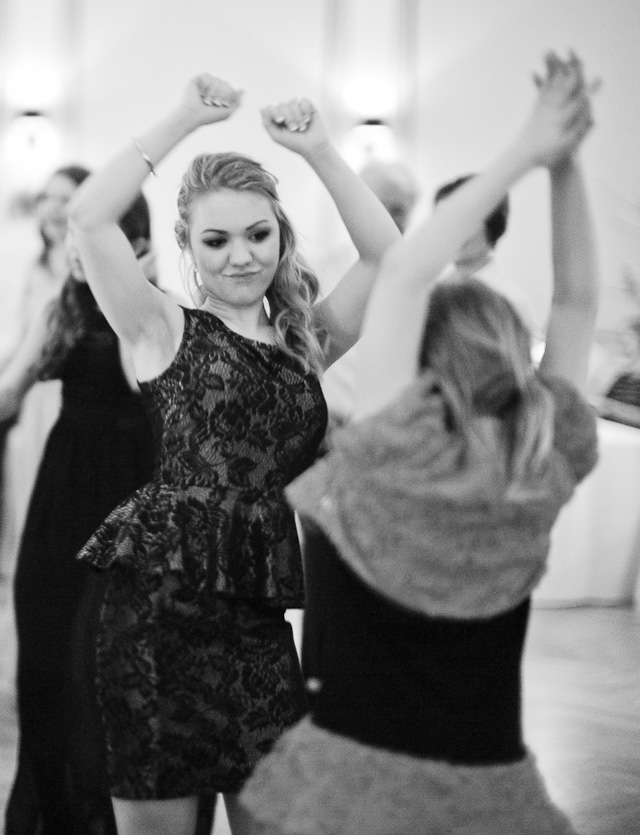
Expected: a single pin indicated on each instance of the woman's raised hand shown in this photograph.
(208, 99)
(562, 115)
(296, 125)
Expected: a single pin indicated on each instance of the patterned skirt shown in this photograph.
(193, 688)
(317, 783)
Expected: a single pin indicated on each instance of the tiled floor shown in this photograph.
(581, 711)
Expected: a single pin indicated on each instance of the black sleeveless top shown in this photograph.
(236, 420)
(441, 688)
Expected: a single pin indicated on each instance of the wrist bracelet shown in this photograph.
(145, 156)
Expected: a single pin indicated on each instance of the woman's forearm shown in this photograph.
(21, 371)
(422, 255)
(368, 223)
(107, 194)
(15, 382)
(575, 263)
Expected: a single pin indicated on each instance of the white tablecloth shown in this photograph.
(595, 551)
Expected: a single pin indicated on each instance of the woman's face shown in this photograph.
(235, 243)
(52, 207)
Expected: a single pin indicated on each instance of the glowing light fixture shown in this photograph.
(369, 140)
(32, 147)
(33, 86)
(373, 92)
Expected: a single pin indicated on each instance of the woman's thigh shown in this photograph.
(176, 816)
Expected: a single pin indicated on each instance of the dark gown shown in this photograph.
(197, 669)
(98, 452)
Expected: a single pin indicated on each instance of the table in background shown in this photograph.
(595, 545)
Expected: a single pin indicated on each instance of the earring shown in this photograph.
(200, 294)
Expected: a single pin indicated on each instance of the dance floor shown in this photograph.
(582, 712)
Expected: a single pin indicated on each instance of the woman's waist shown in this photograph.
(446, 688)
(424, 715)
(219, 478)
(229, 543)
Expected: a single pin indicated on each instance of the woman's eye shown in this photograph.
(214, 243)
(262, 235)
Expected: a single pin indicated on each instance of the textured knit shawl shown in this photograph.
(429, 518)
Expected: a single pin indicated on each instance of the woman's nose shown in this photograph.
(239, 253)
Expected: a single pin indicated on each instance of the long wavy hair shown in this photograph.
(67, 316)
(479, 348)
(295, 286)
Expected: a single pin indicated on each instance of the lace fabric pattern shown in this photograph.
(236, 421)
(197, 669)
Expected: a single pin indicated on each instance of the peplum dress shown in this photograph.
(416, 727)
(197, 669)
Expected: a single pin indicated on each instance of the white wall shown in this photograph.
(476, 62)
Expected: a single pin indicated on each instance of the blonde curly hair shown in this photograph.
(295, 286)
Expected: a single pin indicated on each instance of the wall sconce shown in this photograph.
(32, 147)
(371, 139)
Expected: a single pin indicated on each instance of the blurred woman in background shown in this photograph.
(99, 450)
(24, 434)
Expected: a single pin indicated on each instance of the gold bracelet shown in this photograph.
(145, 156)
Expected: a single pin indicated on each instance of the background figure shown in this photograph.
(98, 451)
(398, 191)
(440, 498)
(23, 435)
(395, 187)
(621, 399)
(197, 668)
(477, 257)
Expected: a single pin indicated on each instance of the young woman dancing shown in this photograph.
(440, 500)
(197, 669)
(99, 450)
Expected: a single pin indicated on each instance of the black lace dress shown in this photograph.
(198, 672)
(98, 452)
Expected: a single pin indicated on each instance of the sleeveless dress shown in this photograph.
(416, 725)
(100, 449)
(197, 669)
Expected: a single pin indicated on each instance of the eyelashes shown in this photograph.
(255, 237)
(262, 235)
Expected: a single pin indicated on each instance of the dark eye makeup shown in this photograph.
(218, 241)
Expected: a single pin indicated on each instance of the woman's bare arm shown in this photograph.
(147, 321)
(395, 318)
(368, 223)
